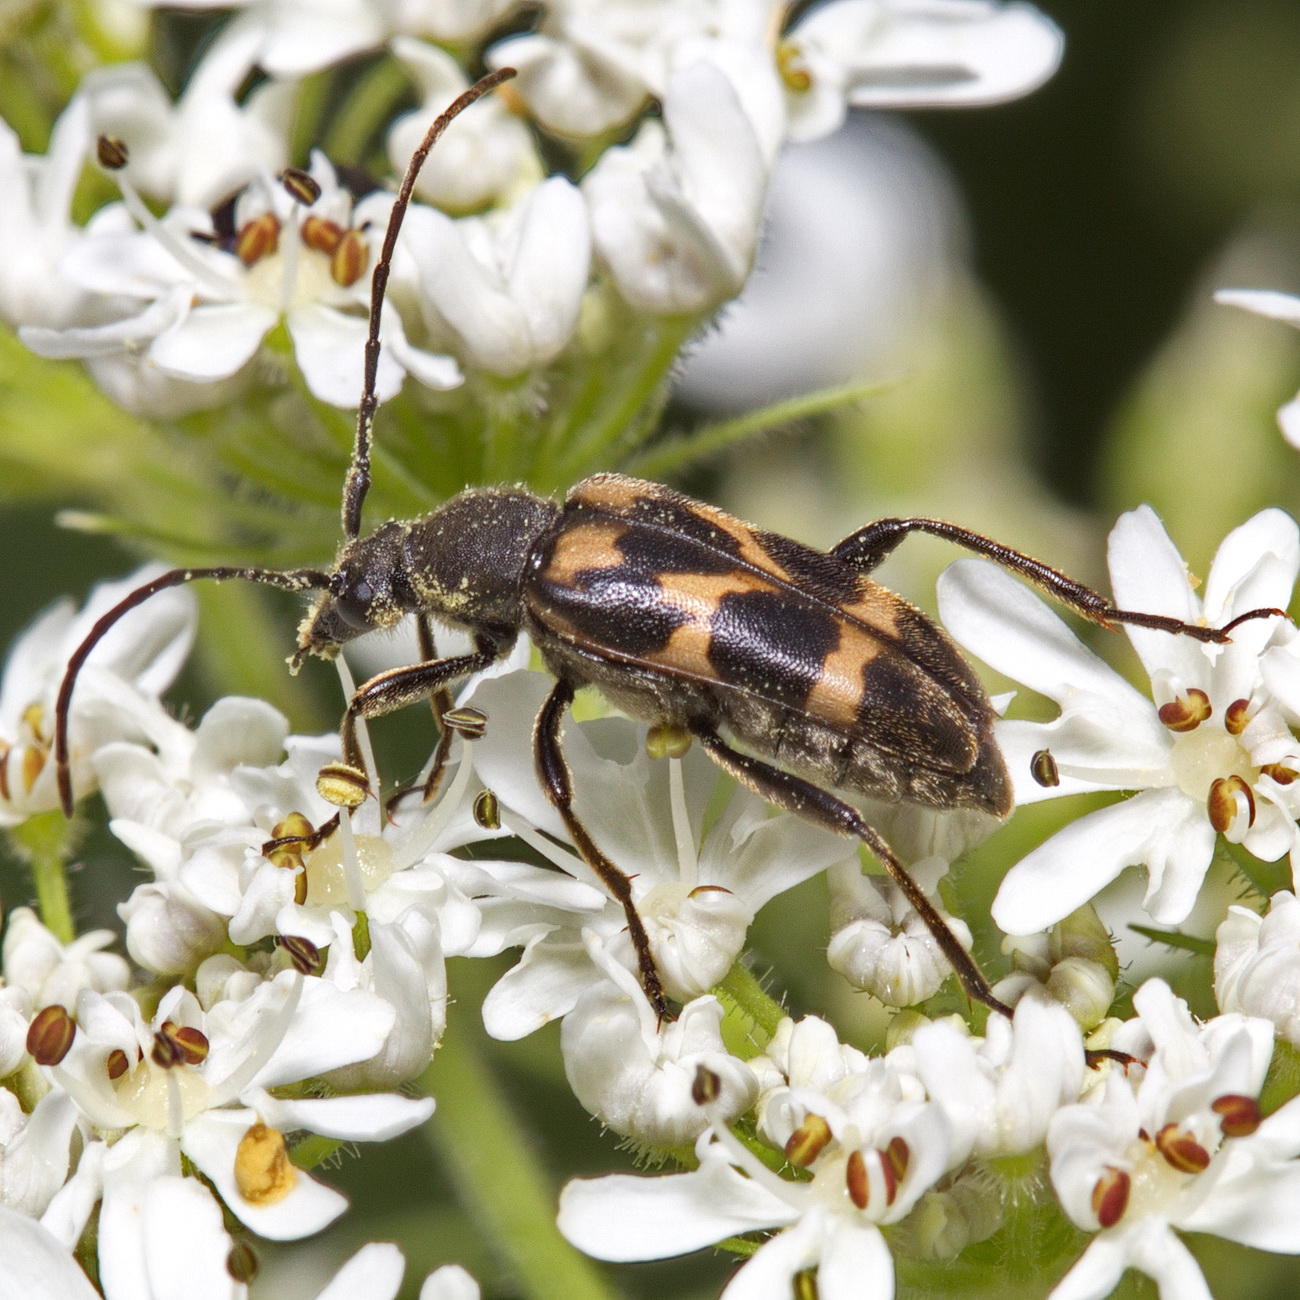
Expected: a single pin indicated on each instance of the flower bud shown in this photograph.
(168, 930)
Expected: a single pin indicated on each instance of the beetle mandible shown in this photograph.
(797, 673)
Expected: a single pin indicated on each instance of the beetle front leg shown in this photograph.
(869, 546)
(803, 798)
(557, 782)
(398, 687)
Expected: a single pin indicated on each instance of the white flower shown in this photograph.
(675, 214)
(116, 695)
(1183, 1149)
(35, 1151)
(203, 308)
(696, 895)
(1279, 306)
(637, 1076)
(870, 1160)
(879, 943)
(1203, 754)
(485, 157)
(50, 973)
(35, 214)
(911, 54)
(1000, 1092)
(1257, 964)
(206, 146)
(507, 288)
(37, 1267)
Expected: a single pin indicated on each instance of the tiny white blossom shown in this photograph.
(1206, 755)
(1257, 964)
(1182, 1149)
(675, 214)
(484, 158)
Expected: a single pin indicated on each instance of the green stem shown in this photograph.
(366, 108)
(44, 841)
(676, 452)
(498, 1177)
(742, 990)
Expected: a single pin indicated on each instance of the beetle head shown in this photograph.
(368, 589)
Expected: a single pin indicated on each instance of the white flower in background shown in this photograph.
(1211, 755)
(871, 1156)
(1257, 964)
(196, 1082)
(36, 216)
(206, 146)
(485, 157)
(375, 1273)
(592, 64)
(505, 290)
(116, 695)
(696, 894)
(1000, 1092)
(879, 943)
(50, 973)
(1278, 306)
(638, 1076)
(911, 54)
(1183, 1149)
(675, 214)
(203, 308)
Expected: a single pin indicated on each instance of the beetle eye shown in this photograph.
(353, 605)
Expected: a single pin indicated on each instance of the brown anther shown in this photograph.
(321, 234)
(1187, 712)
(891, 1178)
(175, 1045)
(808, 1141)
(487, 810)
(1238, 1114)
(258, 239)
(468, 723)
(898, 1155)
(117, 1064)
(665, 740)
(1280, 773)
(1181, 1149)
(33, 765)
(300, 185)
(1042, 767)
(112, 153)
(5, 751)
(1110, 1196)
(857, 1181)
(50, 1035)
(263, 1172)
(1236, 717)
(789, 63)
(302, 952)
(342, 785)
(242, 1262)
(1223, 806)
(706, 1087)
(348, 261)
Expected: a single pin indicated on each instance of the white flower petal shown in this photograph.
(36, 1266)
(185, 1243)
(374, 1272)
(372, 1117)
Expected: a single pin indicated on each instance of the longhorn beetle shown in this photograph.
(796, 671)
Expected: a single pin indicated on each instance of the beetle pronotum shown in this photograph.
(795, 671)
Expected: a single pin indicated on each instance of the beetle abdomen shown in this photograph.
(801, 657)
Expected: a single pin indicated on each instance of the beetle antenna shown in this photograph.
(357, 483)
(291, 580)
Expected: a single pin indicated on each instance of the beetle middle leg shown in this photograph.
(869, 546)
(794, 794)
(557, 783)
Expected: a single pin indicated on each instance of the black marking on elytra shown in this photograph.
(901, 712)
(762, 641)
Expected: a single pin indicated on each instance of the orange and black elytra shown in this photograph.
(797, 673)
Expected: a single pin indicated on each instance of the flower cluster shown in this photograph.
(171, 294)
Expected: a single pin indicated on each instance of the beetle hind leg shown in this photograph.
(557, 782)
(793, 794)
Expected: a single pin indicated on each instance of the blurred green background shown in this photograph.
(1083, 370)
